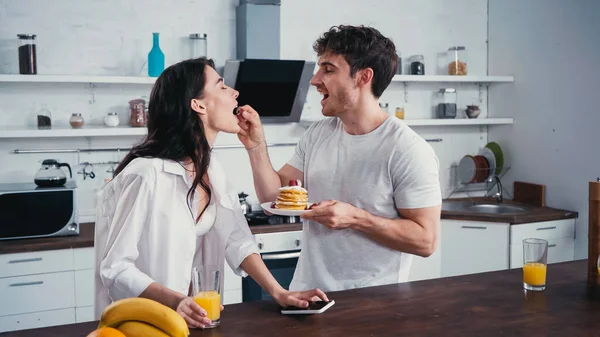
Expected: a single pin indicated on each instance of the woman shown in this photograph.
(169, 206)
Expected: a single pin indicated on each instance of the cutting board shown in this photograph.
(530, 194)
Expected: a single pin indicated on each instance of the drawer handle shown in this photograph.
(26, 260)
(546, 228)
(24, 284)
(473, 227)
(550, 246)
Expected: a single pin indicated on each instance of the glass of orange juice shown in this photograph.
(535, 257)
(206, 288)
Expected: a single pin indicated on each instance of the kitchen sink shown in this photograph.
(483, 208)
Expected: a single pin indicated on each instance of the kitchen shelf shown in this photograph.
(453, 79)
(66, 131)
(460, 121)
(76, 79)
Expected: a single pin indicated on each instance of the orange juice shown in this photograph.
(211, 302)
(534, 274)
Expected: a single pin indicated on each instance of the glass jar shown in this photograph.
(446, 100)
(457, 60)
(399, 68)
(198, 45)
(384, 107)
(76, 121)
(417, 65)
(111, 119)
(400, 112)
(44, 118)
(138, 112)
(27, 54)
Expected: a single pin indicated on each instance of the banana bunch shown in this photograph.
(143, 317)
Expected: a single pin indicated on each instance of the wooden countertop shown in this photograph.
(86, 239)
(86, 236)
(538, 214)
(489, 304)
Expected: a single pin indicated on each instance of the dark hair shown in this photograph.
(175, 131)
(362, 47)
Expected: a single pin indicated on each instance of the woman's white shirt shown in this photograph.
(145, 231)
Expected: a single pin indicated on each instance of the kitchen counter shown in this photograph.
(537, 214)
(86, 239)
(488, 304)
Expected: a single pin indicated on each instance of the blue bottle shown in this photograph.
(156, 58)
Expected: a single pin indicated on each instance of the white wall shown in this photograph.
(113, 38)
(551, 47)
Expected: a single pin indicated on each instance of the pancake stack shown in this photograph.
(292, 197)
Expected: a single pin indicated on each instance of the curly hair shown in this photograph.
(362, 47)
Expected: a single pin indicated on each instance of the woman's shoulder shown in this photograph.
(145, 168)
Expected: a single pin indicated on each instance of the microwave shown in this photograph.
(29, 211)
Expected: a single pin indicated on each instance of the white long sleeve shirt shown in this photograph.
(145, 231)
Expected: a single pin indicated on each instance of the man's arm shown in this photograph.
(266, 180)
(416, 233)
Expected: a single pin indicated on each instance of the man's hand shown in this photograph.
(331, 213)
(251, 133)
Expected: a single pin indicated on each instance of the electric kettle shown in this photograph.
(246, 208)
(50, 174)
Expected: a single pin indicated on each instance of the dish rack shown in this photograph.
(488, 185)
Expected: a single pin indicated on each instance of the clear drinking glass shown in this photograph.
(206, 289)
(535, 257)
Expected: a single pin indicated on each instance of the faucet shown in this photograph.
(498, 196)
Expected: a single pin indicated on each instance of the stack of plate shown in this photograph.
(481, 167)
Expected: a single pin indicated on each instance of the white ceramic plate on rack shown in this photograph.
(489, 156)
(466, 169)
(285, 212)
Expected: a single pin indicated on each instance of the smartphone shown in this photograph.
(313, 308)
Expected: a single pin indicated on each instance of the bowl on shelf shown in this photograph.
(472, 111)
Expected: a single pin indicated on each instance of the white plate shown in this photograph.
(466, 169)
(489, 155)
(286, 212)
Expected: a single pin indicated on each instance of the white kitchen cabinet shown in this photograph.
(232, 286)
(560, 235)
(474, 247)
(37, 320)
(84, 314)
(36, 262)
(425, 268)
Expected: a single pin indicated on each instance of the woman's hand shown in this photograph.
(300, 299)
(193, 314)
(251, 134)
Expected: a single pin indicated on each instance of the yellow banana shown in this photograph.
(141, 329)
(144, 310)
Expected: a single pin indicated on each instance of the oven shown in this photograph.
(280, 252)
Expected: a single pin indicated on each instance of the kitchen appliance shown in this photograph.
(277, 89)
(246, 208)
(27, 211)
(50, 174)
(279, 251)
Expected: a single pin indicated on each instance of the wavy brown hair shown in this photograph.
(175, 131)
(362, 47)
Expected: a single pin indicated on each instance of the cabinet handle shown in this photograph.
(473, 227)
(24, 284)
(281, 256)
(550, 246)
(546, 228)
(26, 260)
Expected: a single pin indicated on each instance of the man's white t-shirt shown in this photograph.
(390, 168)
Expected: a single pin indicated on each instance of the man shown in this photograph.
(377, 179)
